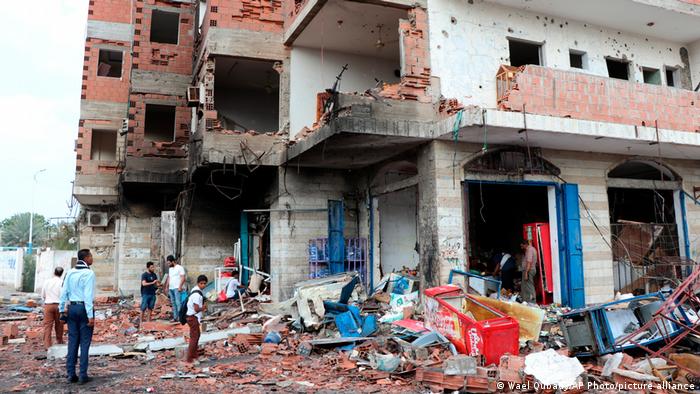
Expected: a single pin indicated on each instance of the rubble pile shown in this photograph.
(332, 335)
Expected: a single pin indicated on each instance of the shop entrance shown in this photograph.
(500, 216)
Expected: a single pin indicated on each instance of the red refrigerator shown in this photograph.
(538, 235)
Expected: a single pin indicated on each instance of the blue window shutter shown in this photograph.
(336, 239)
(574, 250)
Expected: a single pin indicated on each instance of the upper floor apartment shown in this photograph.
(274, 70)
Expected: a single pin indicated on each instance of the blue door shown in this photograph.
(336, 239)
(573, 272)
(244, 247)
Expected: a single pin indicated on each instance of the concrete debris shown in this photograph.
(61, 351)
(347, 346)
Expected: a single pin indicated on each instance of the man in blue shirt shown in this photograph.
(78, 292)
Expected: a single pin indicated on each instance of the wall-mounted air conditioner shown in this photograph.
(97, 219)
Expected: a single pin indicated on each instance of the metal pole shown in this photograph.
(31, 214)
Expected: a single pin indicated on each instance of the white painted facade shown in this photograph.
(11, 266)
(47, 261)
(398, 230)
(314, 70)
(694, 53)
(468, 42)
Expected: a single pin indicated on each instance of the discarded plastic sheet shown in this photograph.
(384, 362)
(552, 369)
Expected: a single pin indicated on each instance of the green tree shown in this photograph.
(14, 231)
(62, 236)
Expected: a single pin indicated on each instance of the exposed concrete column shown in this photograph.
(440, 214)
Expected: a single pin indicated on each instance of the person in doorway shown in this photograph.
(51, 294)
(175, 284)
(76, 307)
(527, 287)
(234, 288)
(506, 268)
(195, 308)
(149, 284)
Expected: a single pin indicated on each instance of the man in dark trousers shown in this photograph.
(506, 267)
(76, 307)
(149, 283)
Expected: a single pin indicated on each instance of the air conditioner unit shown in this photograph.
(193, 96)
(97, 219)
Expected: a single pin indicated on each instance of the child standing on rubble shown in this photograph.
(195, 306)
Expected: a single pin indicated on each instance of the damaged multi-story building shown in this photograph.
(327, 135)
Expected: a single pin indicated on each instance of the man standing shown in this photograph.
(79, 291)
(195, 306)
(175, 283)
(149, 283)
(527, 288)
(51, 294)
(506, 268)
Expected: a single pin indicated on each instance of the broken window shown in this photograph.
(577, 59)
(619, 69)
(246, 94)
(160, 123)
(110, 63)
(103, 146)
(523, 52)
(652, 76)
(165, 27)
(671, 76)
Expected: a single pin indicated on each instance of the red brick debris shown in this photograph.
(244, 361)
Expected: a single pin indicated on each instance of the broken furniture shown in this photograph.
(607, 328)
(473, 327)
(306, 306)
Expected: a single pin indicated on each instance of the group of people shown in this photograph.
(70, 300)
(507, 269)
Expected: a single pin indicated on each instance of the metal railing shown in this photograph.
(647, 256)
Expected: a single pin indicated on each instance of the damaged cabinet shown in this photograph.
(598, 330)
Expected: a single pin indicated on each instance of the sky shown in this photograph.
(40, 78)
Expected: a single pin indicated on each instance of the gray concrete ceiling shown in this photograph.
(354, 27)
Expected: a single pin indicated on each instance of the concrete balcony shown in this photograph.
(96, 189)
(574, 95)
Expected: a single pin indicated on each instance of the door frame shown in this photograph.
(562, 269)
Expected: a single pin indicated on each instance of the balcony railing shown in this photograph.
(547, 91)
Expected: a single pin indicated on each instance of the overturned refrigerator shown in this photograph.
(474, 327)
(624, 324)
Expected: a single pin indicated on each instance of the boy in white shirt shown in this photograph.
(195, 307)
